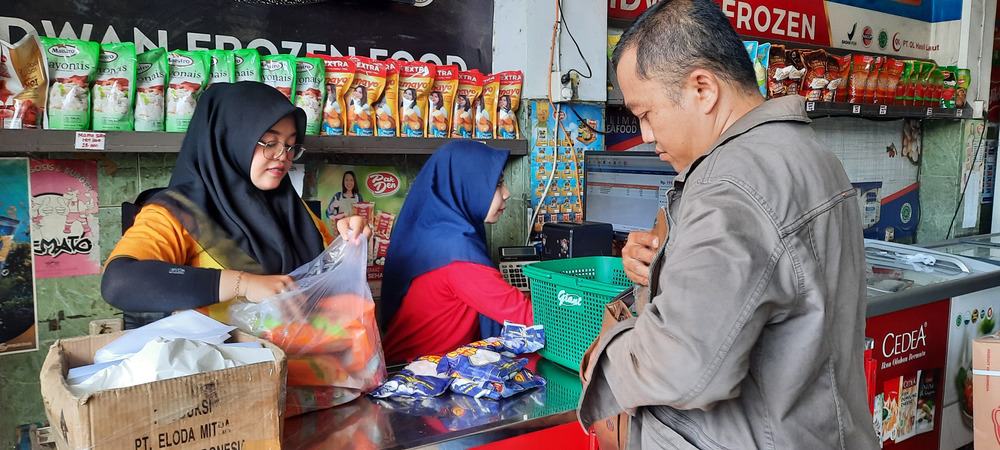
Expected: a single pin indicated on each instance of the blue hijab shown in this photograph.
(442, 219)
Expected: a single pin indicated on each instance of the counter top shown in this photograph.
(451, 421)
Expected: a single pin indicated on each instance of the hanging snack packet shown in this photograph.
(837, 74)
(796, 70)
(339, 75)
(760, 63)
(23, 80)
(776, 72)
(871, 83)
(441, 100)
(367, 87)
(72, 66)
(892, 72)
(470, 86)
(861, 70)
(188, 76)
(949, 77)
(278, 71)
(151, 83)
(416, 79)
(310, 85)
(387, 106)
(486, 107)
(223, 67)
(903, 96)
(751, 47)
(114, 87)
(247, 63)
(816, 80)
(962, 91)
(508, 100)
(418, 379)
(936, 90)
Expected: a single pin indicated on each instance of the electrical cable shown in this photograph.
(961, 196)
(590, 72)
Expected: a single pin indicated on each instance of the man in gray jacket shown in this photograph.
(754, 335)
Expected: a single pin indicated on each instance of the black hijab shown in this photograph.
(210, 193)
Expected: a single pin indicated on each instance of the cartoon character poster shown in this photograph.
(18, 331)
(64, 229)
(373, 192)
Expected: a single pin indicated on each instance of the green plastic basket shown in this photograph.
(568, 298)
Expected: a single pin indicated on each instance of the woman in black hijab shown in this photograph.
(230, 224)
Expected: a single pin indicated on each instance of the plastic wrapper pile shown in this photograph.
(326, 326)
(486, 369)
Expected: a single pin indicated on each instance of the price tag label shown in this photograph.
(856, 109)
(930, 112)
(882, 110)
(959, 112)
(810, 106)
(89, 140)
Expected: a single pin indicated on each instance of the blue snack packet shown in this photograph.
(520, 339)
(481, 361)
(420, 378)
(522, 381)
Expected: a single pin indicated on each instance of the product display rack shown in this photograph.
(888, 112)
(35, 141)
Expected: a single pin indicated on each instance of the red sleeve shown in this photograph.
(484, 289)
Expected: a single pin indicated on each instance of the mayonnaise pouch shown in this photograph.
(486, 107)
(223, 66)
(387, 107)
(72, 66)
(23, 83)
(441, 101)
(339, 75)
(247, 62)
(152, 73)
(278, 71)
(508, 100)
(113, 94)
(367, 87)
(188, 76)
(310, 85)
(416, 79)
(470, 85)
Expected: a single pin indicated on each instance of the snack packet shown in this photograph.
(760, 66)
(470, 86)
(816, 80)
(278, 71)
(416, 79)
(418, 379)
(486, 107)
(441, 100)
(223, 67)
(339, 75)
(310, 87)
(367, 87)
(796, 70)
(23, 82)
(751, 48)
(861, 70)
(838, 68)
(387, 106)
(508, 100)
(482, 360)
(776, 73)
(935, 89)
(872, 82)
(520, 381)
(903, 93)
(113, 93)
(962, 91)
(921, 80)
(520, 339)
(72, 66)
(152, 73)
(247, 61)
(949, 80)
(188, 77)
(888, 80)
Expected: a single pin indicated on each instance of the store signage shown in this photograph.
(442, 31)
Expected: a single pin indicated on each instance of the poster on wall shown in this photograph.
(18, 331)
(64, 227)
(373, 192)
(557, 158)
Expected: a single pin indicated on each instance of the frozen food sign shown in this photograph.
(442, 31)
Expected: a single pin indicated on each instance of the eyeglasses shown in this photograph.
(275, 151)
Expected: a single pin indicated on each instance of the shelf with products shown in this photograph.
(35, 141)
(887, 112)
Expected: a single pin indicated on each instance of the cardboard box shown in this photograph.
(986, 392)
(233, 409)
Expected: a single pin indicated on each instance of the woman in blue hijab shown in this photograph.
(438, 274)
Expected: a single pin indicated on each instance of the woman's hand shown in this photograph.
(254, 288)
(349, 228)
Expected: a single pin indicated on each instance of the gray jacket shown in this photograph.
(755, 335)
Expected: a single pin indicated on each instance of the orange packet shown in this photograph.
(486, 107)
(470, 86)
(440, 101)
(339, 75)
(892, 71)
(367, 87)
(387, 107)
(508, 100)
(416, 79)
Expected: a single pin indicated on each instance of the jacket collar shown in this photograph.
(784, 109)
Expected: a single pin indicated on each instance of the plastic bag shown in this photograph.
(326, 326)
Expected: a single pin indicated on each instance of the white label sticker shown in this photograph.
(958, 112)
(856, 109)
(930, 112)
(89, 140)
(882, 110)
(810, 106)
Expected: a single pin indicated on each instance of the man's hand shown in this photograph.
(638, 254)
